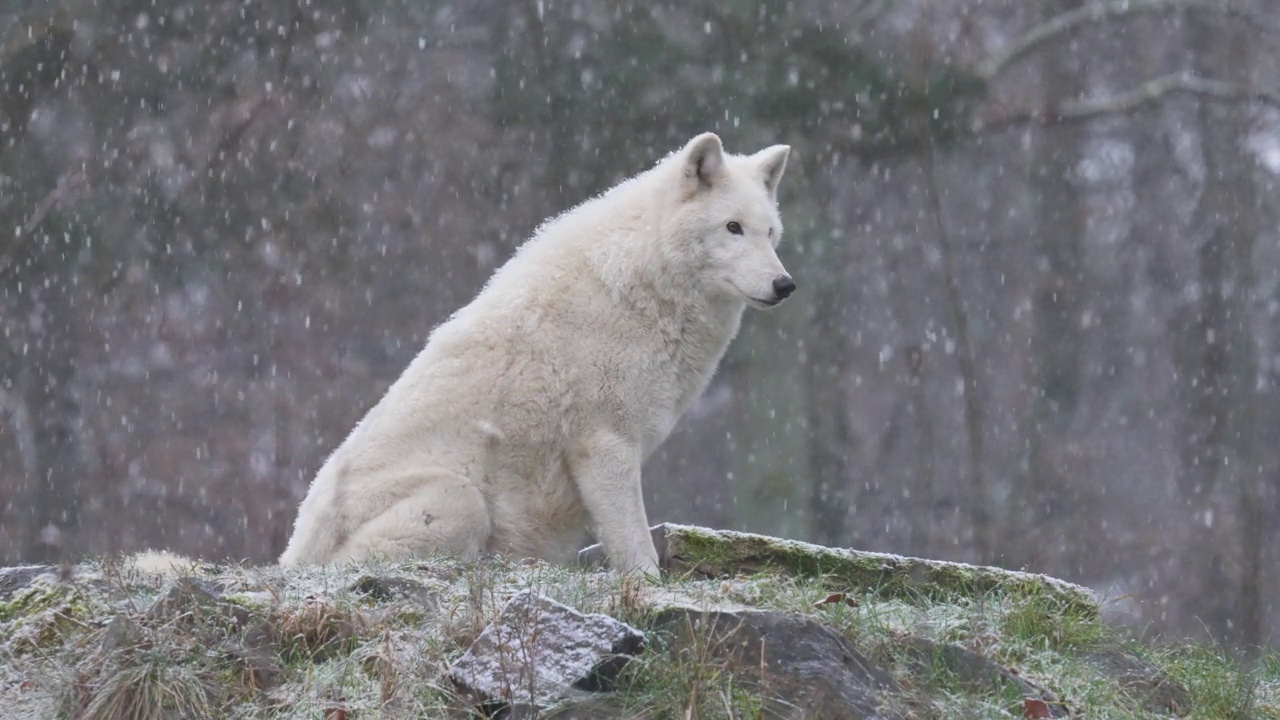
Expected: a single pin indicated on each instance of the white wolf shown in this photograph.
(528, 414)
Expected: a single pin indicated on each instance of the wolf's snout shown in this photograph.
(783, 286)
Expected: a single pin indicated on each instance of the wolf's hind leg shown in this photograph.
(446, 515)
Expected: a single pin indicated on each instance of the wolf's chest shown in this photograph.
(689, 365)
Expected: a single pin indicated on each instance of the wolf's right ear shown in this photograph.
(703, 161)
(772, 161)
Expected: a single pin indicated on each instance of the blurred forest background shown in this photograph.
(1036, 242)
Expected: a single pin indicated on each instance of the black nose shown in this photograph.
(783, 286)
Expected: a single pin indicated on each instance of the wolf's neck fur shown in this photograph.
(695, 326)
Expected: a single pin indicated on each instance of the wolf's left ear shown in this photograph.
(772, 161)
(703, 161)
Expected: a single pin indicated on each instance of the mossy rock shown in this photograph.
(14, 580)
(38, 615)
(724, 552)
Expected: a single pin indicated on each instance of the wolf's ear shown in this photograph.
(772, 161)
(703, 160)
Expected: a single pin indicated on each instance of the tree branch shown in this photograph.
(868, 14)
(67, 185)
(1148, 92)
(1097, 12)
(1166, 85)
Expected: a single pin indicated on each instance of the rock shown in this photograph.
(192, 601)
(977, 673)
(537, 650)
(15, 579)
(724, 552)
(805, 668)
(389, 589)
(1156, 691)
(121, 633)
(255, 652)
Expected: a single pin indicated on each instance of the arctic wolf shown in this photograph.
(527, 416)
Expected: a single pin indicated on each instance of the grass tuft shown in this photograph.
(151, 689)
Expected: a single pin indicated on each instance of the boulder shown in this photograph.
(800, 667)
(538, 651)
(1157, 692)
(977, 673)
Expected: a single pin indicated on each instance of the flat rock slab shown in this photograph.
(800, 667)
(685, 548)
(537, 650)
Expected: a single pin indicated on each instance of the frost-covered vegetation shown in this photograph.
(102, 640)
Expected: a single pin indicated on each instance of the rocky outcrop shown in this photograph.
(742, 625)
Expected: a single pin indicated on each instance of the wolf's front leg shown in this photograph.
(606, 469)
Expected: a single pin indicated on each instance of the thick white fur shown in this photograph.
(528, 414)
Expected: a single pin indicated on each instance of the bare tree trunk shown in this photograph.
(829, 435)
(824, 367)
(1223, 461)
(553, 116)
(1251, 496)
(980, 516)
(36, 268)
(1057, 304)
(922, 469)
(55, 490)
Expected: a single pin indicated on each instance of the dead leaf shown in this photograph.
(1033, 708)
(834, 598)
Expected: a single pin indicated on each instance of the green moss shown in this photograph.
(253, 603)
(36, 597)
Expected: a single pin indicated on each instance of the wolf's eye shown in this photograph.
(734, 227)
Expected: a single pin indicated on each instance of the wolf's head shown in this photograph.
(728, 208)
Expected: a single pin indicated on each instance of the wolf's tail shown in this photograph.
(160, 562)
